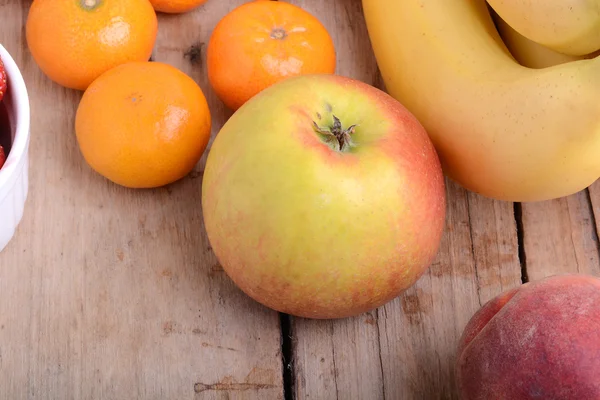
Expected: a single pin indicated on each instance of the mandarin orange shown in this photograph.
(75, 41)
(176, 6)
(261, 43)
(143, 124)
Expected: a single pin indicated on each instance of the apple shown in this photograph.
(323, 197)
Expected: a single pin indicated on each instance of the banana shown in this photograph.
(529, 53)
(501, 130)
(566, 26)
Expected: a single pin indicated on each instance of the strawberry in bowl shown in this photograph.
(15, 121)
(3, 87)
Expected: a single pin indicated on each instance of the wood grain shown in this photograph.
(560, 236)
(109, 293)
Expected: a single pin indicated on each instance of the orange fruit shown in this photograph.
(143, 124)
(74, 41)
(176, 6)
(260, 43)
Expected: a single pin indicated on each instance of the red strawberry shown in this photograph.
(2, 157)
(3, 81)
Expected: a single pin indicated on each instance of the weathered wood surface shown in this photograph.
(109, 293)
(560, 236)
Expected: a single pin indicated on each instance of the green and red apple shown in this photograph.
(323, 197)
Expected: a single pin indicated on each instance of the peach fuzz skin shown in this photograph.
(311, 231)
(538, 341)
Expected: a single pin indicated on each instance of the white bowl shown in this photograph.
(14, 179)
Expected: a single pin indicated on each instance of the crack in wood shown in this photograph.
(518, 211)
(335, 370)
(571, 237)
(593, 220)
(287, 356)
(377, 324)
(233, 386)
(205, 344)
(475, 266)
(257, 379)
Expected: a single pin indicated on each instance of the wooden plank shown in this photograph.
(405, 349)
(495, 245)
(560, 236)
(109, 293)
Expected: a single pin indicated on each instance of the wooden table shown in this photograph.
(109, 293)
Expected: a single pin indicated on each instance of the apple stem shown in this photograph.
(336, 136)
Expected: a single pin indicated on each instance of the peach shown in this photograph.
(538, 341)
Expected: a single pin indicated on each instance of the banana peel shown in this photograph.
(566, 26)
(501, 129)
(529, 53)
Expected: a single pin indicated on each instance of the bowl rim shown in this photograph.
(17, 89)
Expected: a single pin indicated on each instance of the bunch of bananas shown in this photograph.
(509, 95)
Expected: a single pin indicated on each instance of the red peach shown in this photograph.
(538, 341)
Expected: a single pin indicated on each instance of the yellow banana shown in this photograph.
(567, 26)
(529, 53)
(502, 130)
